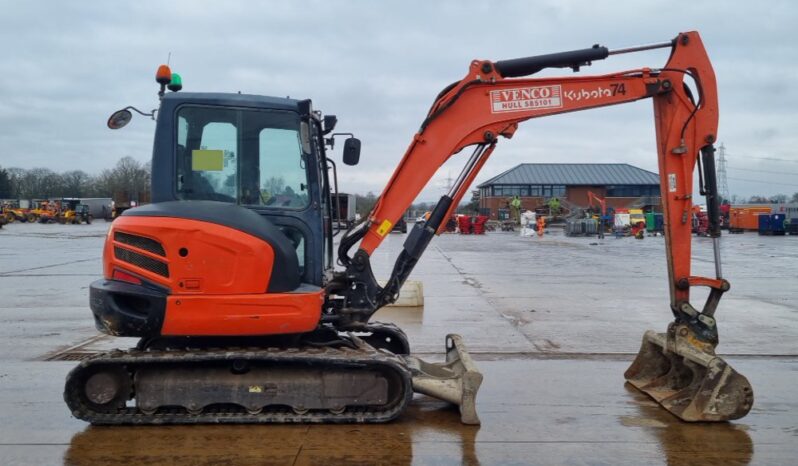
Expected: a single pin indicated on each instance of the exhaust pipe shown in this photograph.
(686, 377)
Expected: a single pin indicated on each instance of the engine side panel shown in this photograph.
(195, 258)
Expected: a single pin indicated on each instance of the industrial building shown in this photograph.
(622, 185)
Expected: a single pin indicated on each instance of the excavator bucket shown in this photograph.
(457, 380)
(686, 377)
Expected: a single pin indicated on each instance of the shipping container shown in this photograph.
(763, 224)
(777, 224)
(771, 224)
(790, 210)
(745, 218)
(654, 222)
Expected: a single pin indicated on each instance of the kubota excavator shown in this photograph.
(228, 276)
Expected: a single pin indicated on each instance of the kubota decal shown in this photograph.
(596, 92)
(526, 98)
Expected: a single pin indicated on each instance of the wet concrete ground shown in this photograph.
(552, 323)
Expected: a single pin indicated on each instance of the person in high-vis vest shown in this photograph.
(515, 209)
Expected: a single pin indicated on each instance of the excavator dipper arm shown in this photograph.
(489, 102)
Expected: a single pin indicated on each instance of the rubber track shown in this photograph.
(332, 357)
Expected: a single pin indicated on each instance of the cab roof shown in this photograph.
(231, 99)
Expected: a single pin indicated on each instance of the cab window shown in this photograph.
(248, 157)
(283, 182)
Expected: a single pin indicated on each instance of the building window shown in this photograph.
(510, 190)
(632, 190)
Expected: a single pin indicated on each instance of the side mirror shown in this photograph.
(352, 151)
(120, 119)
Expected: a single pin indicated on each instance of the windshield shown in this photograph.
(250, 157)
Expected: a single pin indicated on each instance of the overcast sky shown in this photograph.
(65, 66)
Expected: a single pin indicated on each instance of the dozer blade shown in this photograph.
(686, 377)
(457, 380)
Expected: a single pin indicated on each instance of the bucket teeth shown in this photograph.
(686, 377)
(457, 380)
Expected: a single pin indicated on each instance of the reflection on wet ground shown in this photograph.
(317, 444)
(683, 443)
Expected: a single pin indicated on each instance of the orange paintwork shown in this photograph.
(746, 218)
(467, 113)
(220, 260)
(254, 314)
(704, 281)
(219, 287)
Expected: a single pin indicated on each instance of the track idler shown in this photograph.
(457, 380)
(685, 376)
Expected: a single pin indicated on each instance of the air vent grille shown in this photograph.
(142, 261)
(147, 244)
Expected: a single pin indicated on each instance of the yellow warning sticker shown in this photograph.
(255, 389)
(207, 160)
(384, 228)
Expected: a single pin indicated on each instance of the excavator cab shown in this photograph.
(259, 153)
(240, 205)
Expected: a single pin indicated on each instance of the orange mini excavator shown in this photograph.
(228, 277)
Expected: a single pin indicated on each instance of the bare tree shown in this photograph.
(76, 183)
(6, 184)
(364, 204)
